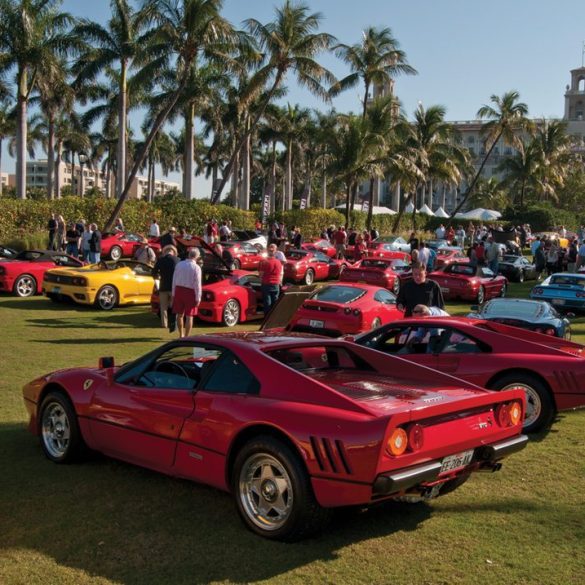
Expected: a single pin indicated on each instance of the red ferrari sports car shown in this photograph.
(23, 275)
(345, 308)
(306, 267)
(448, 255)
(323, 246)
(469, 283)
(293, 426)
(390, 274)
(118, 245)
(245, 256)
(495, 356)
(388, 251)
(228, 297)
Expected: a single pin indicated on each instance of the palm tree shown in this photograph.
(289, 43)
(520, 172)
(185, 30)
(374, 61)
(123, 42)
(33, 35)
(507, 117)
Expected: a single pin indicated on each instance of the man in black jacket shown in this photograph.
(95, 244)
(164, 269)
(419, 291)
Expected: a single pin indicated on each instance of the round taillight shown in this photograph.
(347, 311)
(415, 437)
(398, 442)
(537, 291)
(515, 412)
(357, 312)
(503, 415)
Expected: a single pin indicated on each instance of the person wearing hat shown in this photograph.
(144, 253)
(168, 239)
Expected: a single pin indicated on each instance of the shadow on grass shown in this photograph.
(130, 525)
(98, 341)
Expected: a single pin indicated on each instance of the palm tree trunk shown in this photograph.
(324, 188)
(371, 205)
(213, 179)
(122, 138)
(289, 188)
(58, 158)
(189, 153)
(273, 178)
(109, 177)
(50, 155)
(21, 135)
(347, 204)
(236, 180)
(401, 209)
(81, 177)
(245, 191)
(471, 187)
(227, 171)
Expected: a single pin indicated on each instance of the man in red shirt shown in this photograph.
(340, 238)
(270, 271)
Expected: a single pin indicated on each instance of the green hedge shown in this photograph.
(545, 217)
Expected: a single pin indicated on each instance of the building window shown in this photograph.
(470, 139)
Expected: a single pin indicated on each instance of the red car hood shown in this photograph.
(381, 394)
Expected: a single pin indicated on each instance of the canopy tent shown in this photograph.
(480, 214)
(441, 213)
(409, 208)
(426, 210)
(376, 210)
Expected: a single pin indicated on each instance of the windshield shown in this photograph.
(461, 269)
(570, 280)
(515, 309)
(339, 294)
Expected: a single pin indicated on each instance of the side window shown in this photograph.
(456, 342)
(230, 375)
(386, 297)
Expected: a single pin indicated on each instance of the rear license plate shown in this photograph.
(456, 461)
(558, 301)
(56, 290)
(316, 324)
(444, 289)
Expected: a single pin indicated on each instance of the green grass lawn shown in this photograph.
(109, 522)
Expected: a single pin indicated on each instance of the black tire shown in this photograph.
(504, 291)
(236, 264)
(309, 276)
(107, 298)
(115, 253)
(540, 408)
(304, 517)
(231, 313)
(55, 298)
(25, 286)
(59, 433)
(480, 295)
(521, 276)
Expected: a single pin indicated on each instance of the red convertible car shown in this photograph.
(118, 245)
(306, 267)
(23, 275)
(390, 274)
(293, 426)
(228, 298)
(469, 282)
(495, 356)
(345, 308)
(388, 251)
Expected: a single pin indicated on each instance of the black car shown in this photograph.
(7, 252)
(517, 268)
(537, 316)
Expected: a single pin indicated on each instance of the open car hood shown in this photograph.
(199, 242)
(286, 306)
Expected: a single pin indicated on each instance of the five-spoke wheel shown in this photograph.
(25, 286)
(107, 298)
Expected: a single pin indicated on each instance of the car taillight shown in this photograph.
(78, 281)
(537, 291)
(509, 414)
(397, 442)
(208, 296)
(415, 437)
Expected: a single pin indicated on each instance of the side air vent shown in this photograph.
(331, 455)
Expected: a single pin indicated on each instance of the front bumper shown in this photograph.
(484, 457)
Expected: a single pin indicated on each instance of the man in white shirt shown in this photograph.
(154, 231)
(186, 293)
(440, 232)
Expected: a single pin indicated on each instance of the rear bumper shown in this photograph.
(485, 456)
(83, 296)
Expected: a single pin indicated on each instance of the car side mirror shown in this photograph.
(106, 362)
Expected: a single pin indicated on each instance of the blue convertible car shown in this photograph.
(564, 290)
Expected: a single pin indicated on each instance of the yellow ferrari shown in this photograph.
(105, 285)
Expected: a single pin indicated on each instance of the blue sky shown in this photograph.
(464, 50)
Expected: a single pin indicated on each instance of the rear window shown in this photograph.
(571, 280)
(519, 310)
(339, 294)
(375, 264)
(462, 269)
(318, 358)
(295, 255)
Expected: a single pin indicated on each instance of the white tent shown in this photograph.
(409, 208)
(441, 213)
(480, 214)
(426, 210)
(376, 210)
